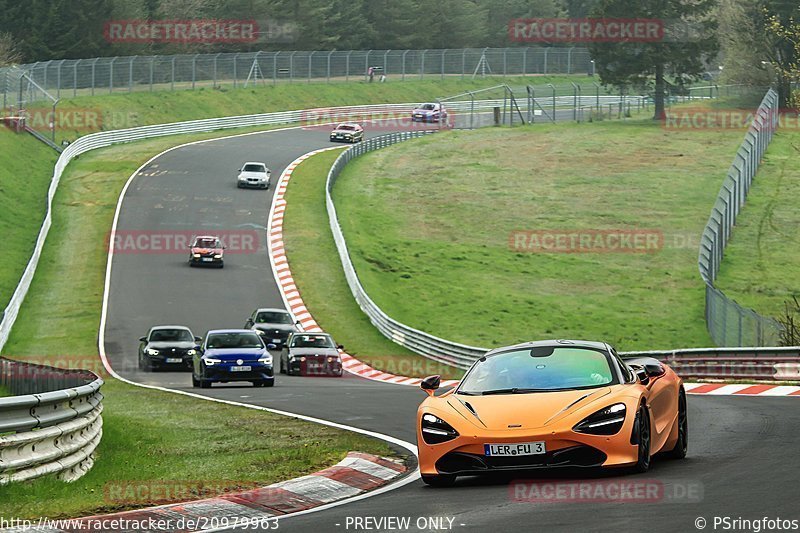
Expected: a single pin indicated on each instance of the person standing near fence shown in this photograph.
(371, 73)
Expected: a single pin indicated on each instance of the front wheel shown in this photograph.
(270, 383)
(195, 382)
(205, 384)
(682, 444)
(441, 480)
(642, 427)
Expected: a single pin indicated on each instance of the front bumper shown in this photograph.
(206, 261)
(170, 361)
(253, 184)
(315, 367)
(222, 373)
(343, 138)
(465, 455)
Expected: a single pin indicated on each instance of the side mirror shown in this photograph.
(248, 323)
(198, 339)
(641, 373)
(271, 346)
(142, 339)
(340, 347)
(197, 347)
(430, 384)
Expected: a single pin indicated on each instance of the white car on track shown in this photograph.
(255, 175)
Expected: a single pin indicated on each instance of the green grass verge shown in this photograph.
(767, 235)
(428, 225)
(125, 110)
(149, 436)
(26, 166)
(318, 274)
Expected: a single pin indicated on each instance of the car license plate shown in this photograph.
(514, 449)
(208, 259)
(241, 368)
(174, 360)
(276, 341)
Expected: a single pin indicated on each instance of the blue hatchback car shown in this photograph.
(228, 355)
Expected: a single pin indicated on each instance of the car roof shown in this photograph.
(553, 342)
(254, 163)
(349, 124)
(168, 326)
(206, 237)
(271, 310)
(213, 331)
(313, 333)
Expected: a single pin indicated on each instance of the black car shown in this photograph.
(168, 347)
(274, 325)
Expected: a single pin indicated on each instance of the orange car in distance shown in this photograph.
(551, 404)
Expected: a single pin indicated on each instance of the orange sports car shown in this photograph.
(551, 404)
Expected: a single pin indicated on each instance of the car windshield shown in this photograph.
(348, 128)
(171, 335)
(428, 107)
(206, 243)
(234, 340)
(312, 341)
(274, 317)
(544, 368)
(253, 168)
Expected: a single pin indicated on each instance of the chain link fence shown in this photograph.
(81, 77)
(729, 323)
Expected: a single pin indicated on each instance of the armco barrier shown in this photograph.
(53, 423)
(728, 363)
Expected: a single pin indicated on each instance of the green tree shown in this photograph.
(675, 60)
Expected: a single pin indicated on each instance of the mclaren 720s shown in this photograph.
(551, 404)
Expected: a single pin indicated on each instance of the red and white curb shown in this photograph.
(294, 302)
(741, 389)
(356, 474)
(288, 289)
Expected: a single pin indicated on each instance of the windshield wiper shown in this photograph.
(513, 390)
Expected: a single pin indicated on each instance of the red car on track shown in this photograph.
(311, 354)
(206, 250)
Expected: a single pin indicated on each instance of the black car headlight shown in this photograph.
(606, 421)
(435, 430)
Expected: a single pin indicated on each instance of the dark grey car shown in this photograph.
(168, 347)
(274, 325)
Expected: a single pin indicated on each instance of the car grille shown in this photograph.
(575, 456)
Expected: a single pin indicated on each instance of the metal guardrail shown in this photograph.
(51, 425)
(730, 363)
(729, 323)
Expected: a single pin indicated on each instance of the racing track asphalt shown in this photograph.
(741, 449)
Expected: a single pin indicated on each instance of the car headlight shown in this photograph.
(265, 359)
(195, 255)
(435, 430)
(217, 256)
(211, 361)
(191, 352)
(606, 421)
(302, 359)
(150, 351)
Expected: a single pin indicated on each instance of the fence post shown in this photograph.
(347, 66)
(172, 76)
(554, 100)
(75, 78)
(328, 78)
(524, 60)
(404, 65)
(444, 52)
(386, 53)
(366, 64)
(194, 70)
(111, 75)
(130, 73)
(463, 63)
(422, 65)
(310, 56)
(545, 61)
(235, 75)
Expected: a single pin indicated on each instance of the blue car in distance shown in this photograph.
(228, 355)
